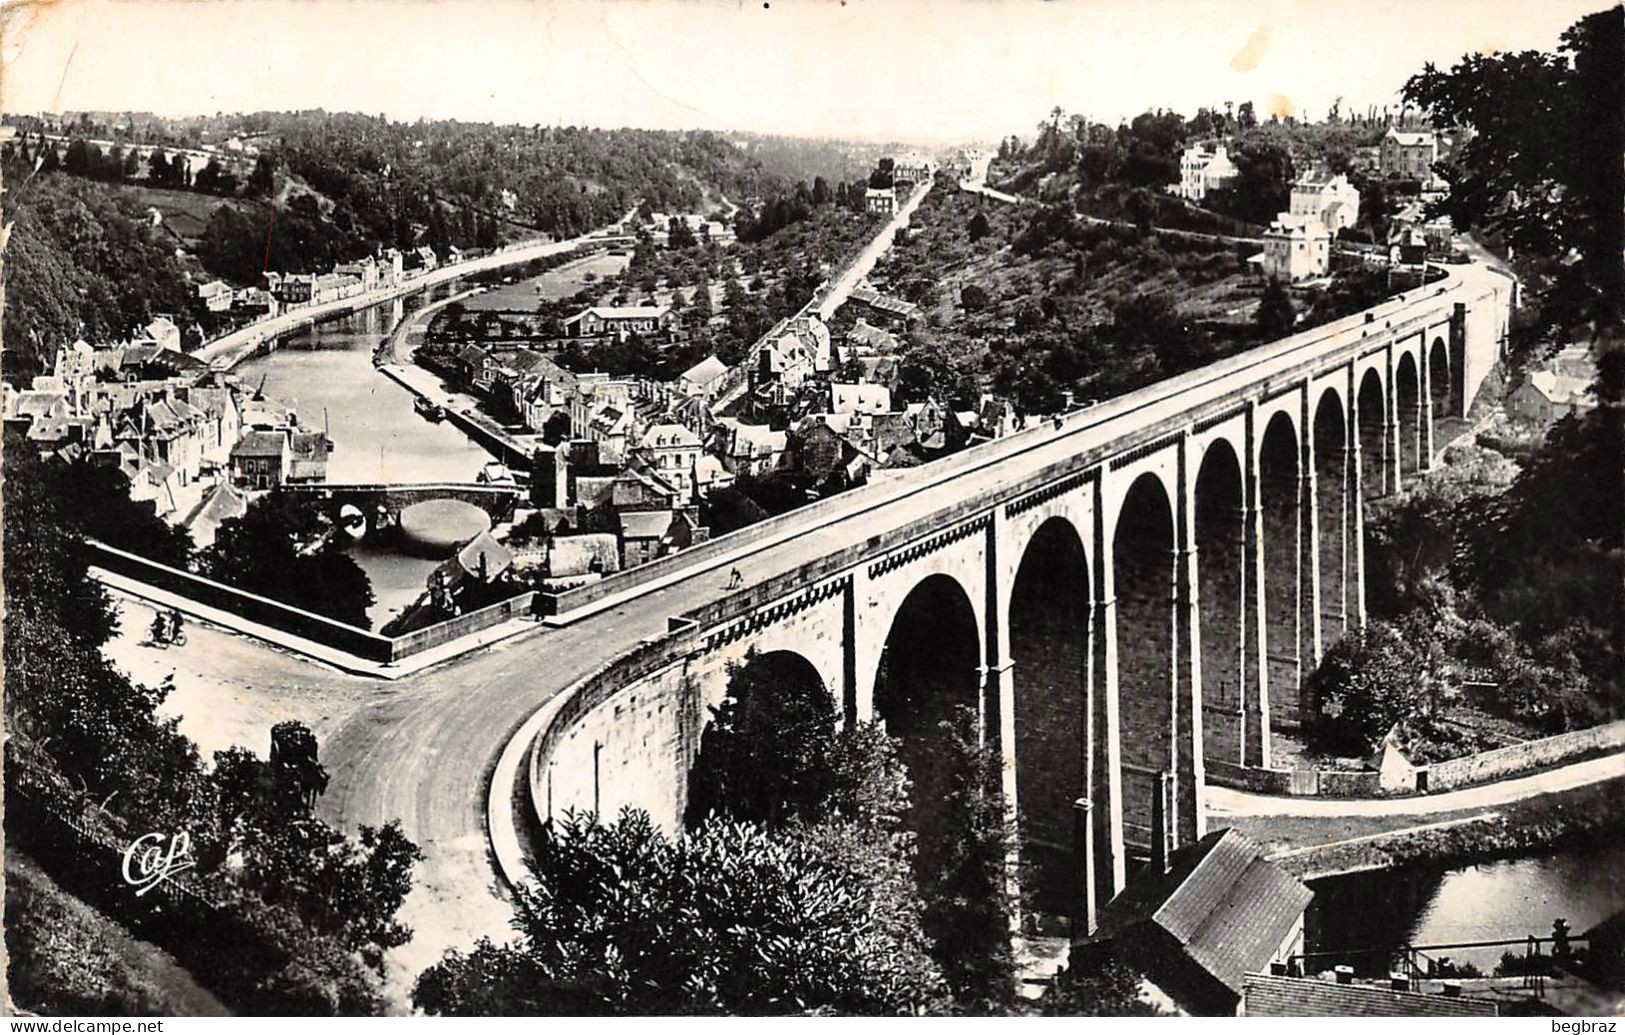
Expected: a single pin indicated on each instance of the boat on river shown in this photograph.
(429, 410)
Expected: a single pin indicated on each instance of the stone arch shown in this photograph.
(1221, 562)
(1372, 410)
(1334, 523)
(1441, 384)
(1049, 647)
(1143, 573)
(1278, 486)
(930, 668)
(1408, 408)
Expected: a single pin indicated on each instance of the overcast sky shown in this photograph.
(949, 70)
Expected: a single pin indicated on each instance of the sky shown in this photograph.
(914, 70)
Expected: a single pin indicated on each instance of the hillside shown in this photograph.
(82, 260)
(1036, 303)
(1032, 303)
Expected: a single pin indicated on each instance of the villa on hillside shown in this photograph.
(1203, 168)
(1409, 154)
(1332, 200)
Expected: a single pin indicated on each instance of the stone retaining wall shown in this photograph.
(1521, 758)
(1485, 767)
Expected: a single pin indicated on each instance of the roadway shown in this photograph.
(1225, 801)
(859, 268)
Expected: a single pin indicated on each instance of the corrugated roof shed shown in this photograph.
(1228, 906)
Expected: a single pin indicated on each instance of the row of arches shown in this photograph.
(1274, 580)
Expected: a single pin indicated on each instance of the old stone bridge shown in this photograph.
(1126, 591)
(386, 501)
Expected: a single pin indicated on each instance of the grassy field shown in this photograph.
(524, 295)
(65, 957)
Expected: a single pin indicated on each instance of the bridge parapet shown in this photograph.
(498, 501)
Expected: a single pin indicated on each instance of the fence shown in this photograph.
(361, 643)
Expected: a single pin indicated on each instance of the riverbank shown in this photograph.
(230, 349)
(1321, 846)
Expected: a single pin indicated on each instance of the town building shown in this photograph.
(673, 451)
(426, 259)
(365, 272)
(1545, 396)
(1332, 200)
(880, 201)
(216, 295)
(887, 309)
(859, 398)
(704, 379)
(747, 450)
(1203, 168)
(1409, 155)
(296, 289)
(912, 168)
(261, 459)
(391, 265)
(1296, 249)
(648, 535)
(619, 320)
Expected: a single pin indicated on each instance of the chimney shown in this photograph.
(1159, 823)
(1345, 974)
(1451, 989)
(1398, 981)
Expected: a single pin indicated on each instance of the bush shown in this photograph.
(1369, 681)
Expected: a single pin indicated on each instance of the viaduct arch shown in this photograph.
(1139, 588)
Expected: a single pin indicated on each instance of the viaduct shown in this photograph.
(1127, 591)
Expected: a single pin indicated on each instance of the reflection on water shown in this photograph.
(1511, 898)
(326, 374)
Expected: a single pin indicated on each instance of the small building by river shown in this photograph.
(1198, 923)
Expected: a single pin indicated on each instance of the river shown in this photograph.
(1509, 898)
(326, 374)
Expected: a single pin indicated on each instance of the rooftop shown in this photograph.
(1228, 906)
(1270, 996)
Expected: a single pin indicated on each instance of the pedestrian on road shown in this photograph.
(735, 580)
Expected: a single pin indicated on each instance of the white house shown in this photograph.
(1202, 169)
(1332, 200)
(1296, 249)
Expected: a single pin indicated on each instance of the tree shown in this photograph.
(679, 234)
(978, 228)
(964, 876)
(764, 757)
(262, 181)
(1369, 681)
(726, 919)
(1540, 168)
(1245, 119)
(1275, 318)
(260, 552)
(973, 298)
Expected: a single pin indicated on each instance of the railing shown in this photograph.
(1111, 427)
